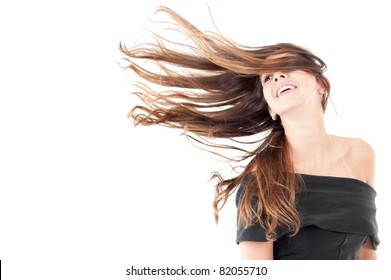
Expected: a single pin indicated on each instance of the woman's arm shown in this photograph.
(367, 252)
(250, 250)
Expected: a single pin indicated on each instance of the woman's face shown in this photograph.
(294, 90)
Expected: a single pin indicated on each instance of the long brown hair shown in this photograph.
(214, 91)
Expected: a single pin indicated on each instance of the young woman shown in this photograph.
(305, 194)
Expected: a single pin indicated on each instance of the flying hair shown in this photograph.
(210, 88)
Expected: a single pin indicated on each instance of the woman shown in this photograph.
(304, 194)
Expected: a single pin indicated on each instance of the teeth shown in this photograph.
(284, 88)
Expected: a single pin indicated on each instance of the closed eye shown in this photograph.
(267, 78)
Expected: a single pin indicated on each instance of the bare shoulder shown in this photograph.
(361, 151)
(360, 156)
(359, 147)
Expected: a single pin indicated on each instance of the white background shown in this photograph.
(85, 195)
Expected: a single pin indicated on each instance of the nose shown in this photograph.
(278, 76)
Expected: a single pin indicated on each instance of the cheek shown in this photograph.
(311, 83)
(267, 93)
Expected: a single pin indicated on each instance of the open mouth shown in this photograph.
(285, 89)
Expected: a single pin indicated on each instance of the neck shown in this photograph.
(307, 138)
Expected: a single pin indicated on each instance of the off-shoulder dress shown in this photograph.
(337, 214)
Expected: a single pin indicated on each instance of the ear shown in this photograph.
(273, 115)
(321, 88)
(321, 91)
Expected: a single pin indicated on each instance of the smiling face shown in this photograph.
(287, 91)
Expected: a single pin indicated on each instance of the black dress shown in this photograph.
(337, 217)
